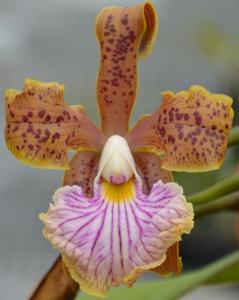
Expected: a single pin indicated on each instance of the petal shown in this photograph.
(113, 237)
(149, 169)
(190, 128)
(41, 127)
(82, 171)
(124, 33)
(172, 263)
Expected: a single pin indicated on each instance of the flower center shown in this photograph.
(116, 164)
(118, 193)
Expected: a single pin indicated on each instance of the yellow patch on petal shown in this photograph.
(41, 127)
(10, 94)
(191, 129)
(118, 193)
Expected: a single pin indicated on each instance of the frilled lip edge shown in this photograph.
(105, 243)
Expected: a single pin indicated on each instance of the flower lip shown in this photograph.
(113, 237)
(116, 164)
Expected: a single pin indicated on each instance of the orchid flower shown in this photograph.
(119, 213)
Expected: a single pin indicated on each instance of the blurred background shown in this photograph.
(53, 40)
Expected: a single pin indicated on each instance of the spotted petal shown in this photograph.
(113, 237)
(150, 171)
(124, 33)
(189, 128)
(41, 127)
(83, 170)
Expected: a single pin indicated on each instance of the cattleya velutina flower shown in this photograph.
(119, 213)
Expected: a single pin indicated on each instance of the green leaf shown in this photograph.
(174, 287)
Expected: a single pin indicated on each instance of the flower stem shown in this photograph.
(233, 138)
(228, 202)
(220, 189)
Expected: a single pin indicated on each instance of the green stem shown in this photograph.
(228, 202)
(233, 138)
(220, 189)
(188, 282)
(215, 268)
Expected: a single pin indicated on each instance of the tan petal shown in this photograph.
(172, 263)
(189, 128)
(124, 34)
(82, 171)
(149, 168)
(41, 127)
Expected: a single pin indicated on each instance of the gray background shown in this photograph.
(54, 40)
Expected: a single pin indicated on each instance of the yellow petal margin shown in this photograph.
(190, 129)
(124, 34)
(41, 127)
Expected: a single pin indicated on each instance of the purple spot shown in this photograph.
(41, 113)
(48, 118)
(29, 114)
(24, 119)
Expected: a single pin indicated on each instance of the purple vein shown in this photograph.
(81, 227)
(97, 235)
(111, 244)
(79, 216)
(120, 238)
(140, 235)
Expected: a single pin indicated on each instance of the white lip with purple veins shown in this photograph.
(120, 232)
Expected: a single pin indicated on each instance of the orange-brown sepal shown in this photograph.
(41, 127)
(124, 34)
(190, 129)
